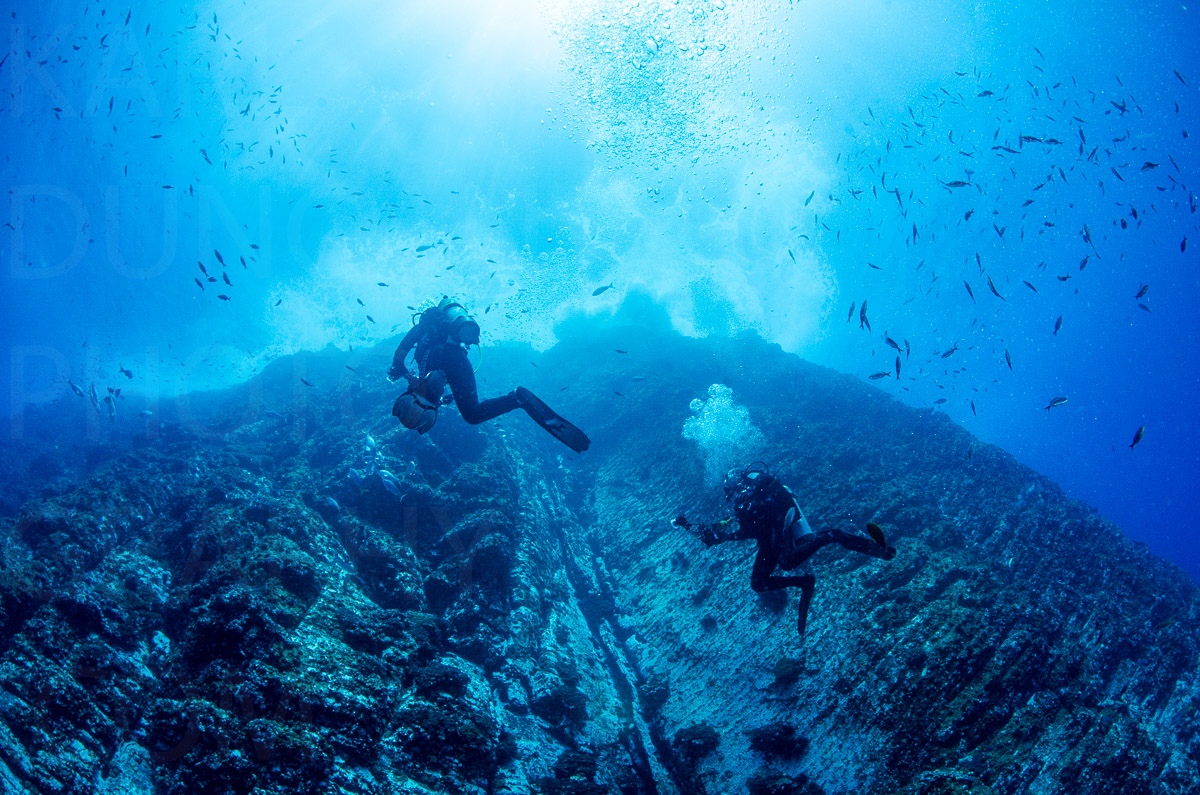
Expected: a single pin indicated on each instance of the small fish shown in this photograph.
(790, 254)
(75, 388)
(360, 303)
(862, 317)
(1058, 401)
(877, 376)
(850, 316)
(330, 502)
(199, 283)
(810, 198)
(973, 411)
(381, 284)
(390, 482)
(876, 533)
(372, 447)
(1137, 437)
(992, 287)
(1057, 325)
(355, 477)
(127, 373)
(305, 382)
(897, 368)
(1008, 359)
(220, 259)
(618, 350)
(370, 318)
(1145, 288)
(891, 342)
(223, 297)
(969, 292)
(280, 301)
(225, 276)
(1030, 286)
(950, 352)
(603, 289)
(1183, 245)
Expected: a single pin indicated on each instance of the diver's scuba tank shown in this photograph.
(417, 407)
(462, 327)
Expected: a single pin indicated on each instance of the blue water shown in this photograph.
(734, 160)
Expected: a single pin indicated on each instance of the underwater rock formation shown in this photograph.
(215, 603)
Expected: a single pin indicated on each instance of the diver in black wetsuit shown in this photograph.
(768, 511)
(441, 336)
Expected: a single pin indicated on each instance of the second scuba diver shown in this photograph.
(768, 512)
(441, 336)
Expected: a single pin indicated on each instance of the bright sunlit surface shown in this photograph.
(980, 207)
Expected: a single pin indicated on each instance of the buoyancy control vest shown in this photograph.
(761, 498)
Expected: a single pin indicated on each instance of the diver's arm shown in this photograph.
(711, 533)
(410, 339)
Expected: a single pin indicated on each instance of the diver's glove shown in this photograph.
(395, 373)
(706, 533)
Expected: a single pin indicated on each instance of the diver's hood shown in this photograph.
(739, 483)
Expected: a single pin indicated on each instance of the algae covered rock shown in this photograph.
(249, 605)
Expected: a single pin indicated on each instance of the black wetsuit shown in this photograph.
(436, 350)
(761, 512)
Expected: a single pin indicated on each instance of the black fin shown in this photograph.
(876, 533)
(555, 425)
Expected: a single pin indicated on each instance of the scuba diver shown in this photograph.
(441, 336)
(768, 511)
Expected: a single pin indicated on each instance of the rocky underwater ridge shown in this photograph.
(229, 596)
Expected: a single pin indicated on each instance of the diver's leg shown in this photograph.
(804, 547)
(862, 544)
(806, 594)
(760, 576)
(454, 363)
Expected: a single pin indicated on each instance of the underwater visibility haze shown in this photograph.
(774, 167)
(707, 231)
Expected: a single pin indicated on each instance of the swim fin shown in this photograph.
(559, 428)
